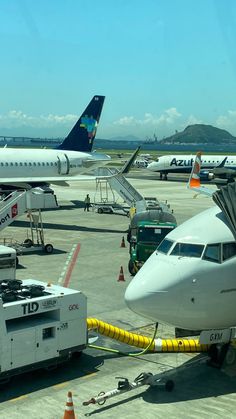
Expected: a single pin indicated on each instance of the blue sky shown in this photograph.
(162, 65)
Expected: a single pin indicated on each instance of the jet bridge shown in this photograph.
(225, 198)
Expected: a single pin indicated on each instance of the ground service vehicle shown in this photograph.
(41, 324)
(147, 230)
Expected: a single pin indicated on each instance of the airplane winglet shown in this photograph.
(126, 168)
(194, 179)
(222, 164)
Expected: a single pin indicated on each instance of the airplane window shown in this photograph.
(212, 253)
(6, 164)
(165, 246)
(229, 250)
(47, 164)
(21, 164)
(25, 164)
(43, 164)
(188, 249)
(39, 164)
(2, 164)
(51, 163)
(16, 164)
(30, 164)
(34, 164)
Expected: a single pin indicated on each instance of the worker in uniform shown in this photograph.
(87, 203)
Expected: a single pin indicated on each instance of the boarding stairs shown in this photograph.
(18, 202)
(121, 185)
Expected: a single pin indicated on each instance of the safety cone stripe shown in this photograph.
(69, 409)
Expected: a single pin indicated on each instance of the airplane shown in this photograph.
(189, 281)
(183, 164)
(26, 167)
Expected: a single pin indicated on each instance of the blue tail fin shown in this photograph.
(83, 133)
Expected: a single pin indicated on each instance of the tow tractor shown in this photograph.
(111, 208)
(37, 321)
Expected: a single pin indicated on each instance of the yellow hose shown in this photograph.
(158, 345)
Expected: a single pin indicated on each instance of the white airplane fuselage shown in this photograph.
(183, 163)
(185, 290)
(45, 163)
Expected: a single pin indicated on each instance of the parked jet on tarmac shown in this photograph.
(24, 167)
(189, 281)
(183, 164)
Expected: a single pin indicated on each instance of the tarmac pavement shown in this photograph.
(200, 391)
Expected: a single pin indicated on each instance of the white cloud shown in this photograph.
(227, 121)
(168, 117)
(17, 119)
(192, 120)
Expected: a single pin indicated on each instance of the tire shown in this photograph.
(17, 261)
(131, 268)
(48, 248)
(100, 210)
(28, 243)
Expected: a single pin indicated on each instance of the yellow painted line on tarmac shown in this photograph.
(16, 399)
(90, 374)
(60, 385)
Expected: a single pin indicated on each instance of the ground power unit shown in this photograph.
(40, 324)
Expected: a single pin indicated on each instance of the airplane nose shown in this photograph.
(150, 292)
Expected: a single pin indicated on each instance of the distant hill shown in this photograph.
(200, 134)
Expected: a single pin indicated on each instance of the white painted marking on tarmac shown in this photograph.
(67, 262)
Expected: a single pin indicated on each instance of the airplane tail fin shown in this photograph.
(82, 135)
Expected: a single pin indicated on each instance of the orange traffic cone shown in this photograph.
(122, 242)
(121, 275)
(69, 411)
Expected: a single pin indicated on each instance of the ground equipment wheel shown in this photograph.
(48, 248)
(131, 268)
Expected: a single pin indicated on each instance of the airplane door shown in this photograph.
(63, 164)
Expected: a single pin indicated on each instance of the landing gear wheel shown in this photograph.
(217, 355)
(48, 248)
(100, 211)
(230, 356)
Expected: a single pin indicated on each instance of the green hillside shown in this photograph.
(200, 133)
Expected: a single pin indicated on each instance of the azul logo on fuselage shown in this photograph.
(181, 162)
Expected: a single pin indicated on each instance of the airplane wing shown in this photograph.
(194, 180)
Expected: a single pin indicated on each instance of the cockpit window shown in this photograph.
(188, 249)
(229, 250)
(165, 246)
(212, 253)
